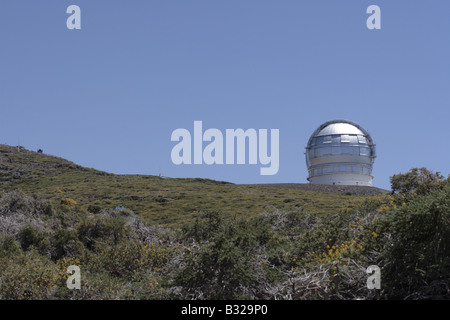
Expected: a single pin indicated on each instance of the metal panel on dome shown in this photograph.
(339, 128)
(362, 139)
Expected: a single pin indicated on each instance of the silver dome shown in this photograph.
(340, 152)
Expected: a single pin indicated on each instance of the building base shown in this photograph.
(344, 179)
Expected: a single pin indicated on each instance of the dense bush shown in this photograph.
(420, 180)
(30, 236)
(416, 246)
(101, 230)
(8, 246)
(65, 244)
(28, 276)
(129, 258)
(226, 259)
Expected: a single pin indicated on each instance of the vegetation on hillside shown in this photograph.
(157, 200)
(233, 248)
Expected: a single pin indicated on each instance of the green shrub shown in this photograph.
(30, 236)
(94, 208)
(129, 258)
(29, 276)
(228, 260)
(65, 243)
(416, 180)
(9, 247)
(102, 230)
(417, 251)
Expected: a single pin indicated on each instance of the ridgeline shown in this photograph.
(158, 200)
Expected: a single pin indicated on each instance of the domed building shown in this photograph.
(340, 152)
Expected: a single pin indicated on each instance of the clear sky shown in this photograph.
(108, 96)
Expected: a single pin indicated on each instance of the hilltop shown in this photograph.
(165, 201)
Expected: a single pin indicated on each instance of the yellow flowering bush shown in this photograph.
(28, 276)
(339, 253)
(68, 201)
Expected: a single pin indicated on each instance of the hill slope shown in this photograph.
(166, 201)
(321, 252)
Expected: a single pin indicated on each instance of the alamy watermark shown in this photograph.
(374, 280)
(74, 20)
(218, 151)
(74, 280)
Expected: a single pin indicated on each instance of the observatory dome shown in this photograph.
(340, 152)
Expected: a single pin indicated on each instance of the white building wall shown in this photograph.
(343, 179)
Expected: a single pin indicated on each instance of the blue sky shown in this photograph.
(108, 96)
